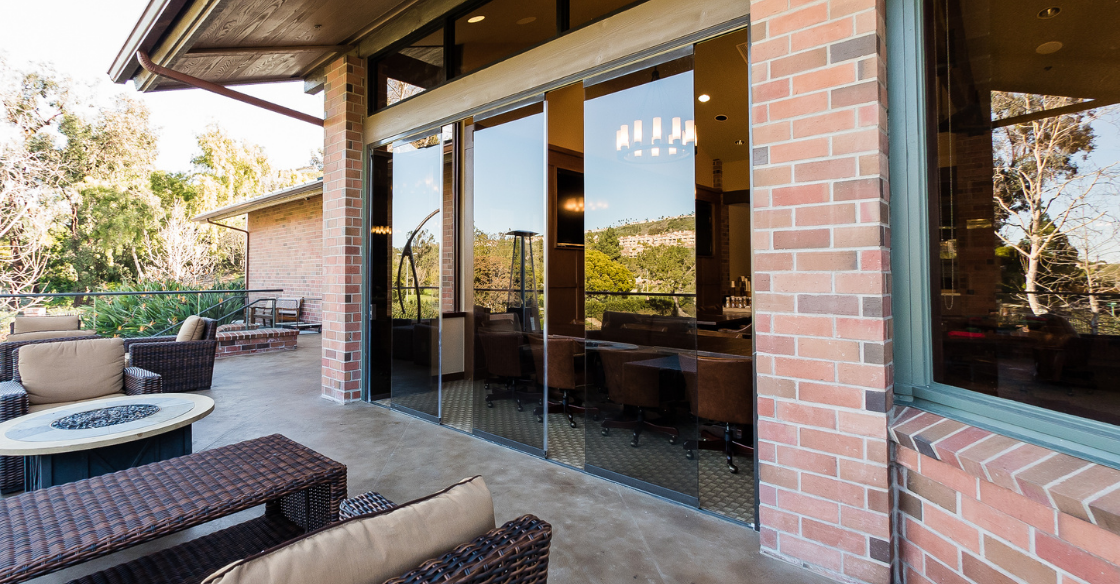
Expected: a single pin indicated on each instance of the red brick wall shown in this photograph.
(286, 251)
(342, 229)
(977, 507)
(822, 295)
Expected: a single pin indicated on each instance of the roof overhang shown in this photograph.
(238, 42)
(286, 195)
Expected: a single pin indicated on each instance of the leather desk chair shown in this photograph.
(502, 352)
(636, 388)
(719, 389)
(563, 374)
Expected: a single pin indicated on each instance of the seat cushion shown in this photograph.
(71, 370)
(370, 549)
(191, 330)
(40, 335)
(31, 409)
(34, 324)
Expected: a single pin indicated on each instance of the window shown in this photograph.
(1025, 212)
(501, 28)
(410, 70)
(582, 12)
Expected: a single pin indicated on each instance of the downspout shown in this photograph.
(147, 63)
(246, 232)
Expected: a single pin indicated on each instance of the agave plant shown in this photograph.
(143, 315)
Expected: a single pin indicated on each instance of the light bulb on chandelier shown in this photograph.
(631, 147)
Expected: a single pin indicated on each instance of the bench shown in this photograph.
(50, 529)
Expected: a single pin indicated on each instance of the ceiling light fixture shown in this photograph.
(1049, 12)
(1049, 48)
(704, 98)
(633, 148)
(475, 19)
(738, 142)
(527, 20)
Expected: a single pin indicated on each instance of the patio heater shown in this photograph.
(521, 297)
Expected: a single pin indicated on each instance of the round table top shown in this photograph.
(33, 434)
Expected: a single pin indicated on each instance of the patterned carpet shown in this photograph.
(654, 460)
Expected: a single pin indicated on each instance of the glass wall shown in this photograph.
(408, 71)
(640, 276)
(501, 28)
(506, 174)
(411, 173)
(1026, 280)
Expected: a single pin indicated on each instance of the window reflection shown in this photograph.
(508, 182)
(501, 28)
(585, 11)
(1025, 278)
(409, 70)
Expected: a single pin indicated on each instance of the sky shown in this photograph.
(80, 38)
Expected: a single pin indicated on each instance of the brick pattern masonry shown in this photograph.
(822, 296)
(261, 340)
(287, 252)
(979, 507)
(343, 230)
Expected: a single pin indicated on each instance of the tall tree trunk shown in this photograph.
(1033, 261)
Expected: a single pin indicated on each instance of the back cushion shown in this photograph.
(34, 324)
(192, 329)
(372, 549)
(71, 370)
(40, 335)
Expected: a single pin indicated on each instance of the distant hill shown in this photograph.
(655, 227)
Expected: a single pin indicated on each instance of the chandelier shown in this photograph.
(632, 147)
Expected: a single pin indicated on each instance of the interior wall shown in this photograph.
(739, 230)
(737, 174)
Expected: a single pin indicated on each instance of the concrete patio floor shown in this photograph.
(603, 532)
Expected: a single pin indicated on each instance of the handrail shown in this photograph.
(144, 293)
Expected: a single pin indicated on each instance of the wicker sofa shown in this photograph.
(44, 375)
(185, 361)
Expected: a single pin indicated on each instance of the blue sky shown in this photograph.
(81, 38)
(509, 176)
(417, 185)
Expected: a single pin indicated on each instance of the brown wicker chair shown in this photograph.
(14, 403)
(184, 365)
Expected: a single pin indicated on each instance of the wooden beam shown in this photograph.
(1050, 113)
(259, 50)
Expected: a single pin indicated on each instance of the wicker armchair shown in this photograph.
(184, 365)
(14, 403)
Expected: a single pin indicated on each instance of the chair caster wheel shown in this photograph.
(606, 431)
(689, 454)
(490, 404)
(733, 469)
(520, 408)
(634, 442)
(540, 419)
(572, 424)
(672, 440)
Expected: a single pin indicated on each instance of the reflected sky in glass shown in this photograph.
(417, 188)
(623, 191)
(509, 176)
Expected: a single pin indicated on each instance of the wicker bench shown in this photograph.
(47, 530)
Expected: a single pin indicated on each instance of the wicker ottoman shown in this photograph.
(364, 504)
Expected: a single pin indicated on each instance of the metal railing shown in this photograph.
(237, 302)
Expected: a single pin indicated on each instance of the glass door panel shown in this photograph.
(640, 276)
(506, 174)
(416, 226)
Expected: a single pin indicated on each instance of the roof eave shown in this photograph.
(279, 197)
(154, 21)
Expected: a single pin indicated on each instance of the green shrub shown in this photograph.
(147, 315)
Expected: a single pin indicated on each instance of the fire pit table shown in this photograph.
(92, 438)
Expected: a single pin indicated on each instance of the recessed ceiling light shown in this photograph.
(721, 118)
(738, 142)
(527, 20)
(1049, 12)
(1048, 48)
(475, 19)
(704, 98)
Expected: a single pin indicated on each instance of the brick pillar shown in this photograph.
(342, 230)
(822, 284)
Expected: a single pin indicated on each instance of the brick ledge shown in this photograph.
(1077, 487)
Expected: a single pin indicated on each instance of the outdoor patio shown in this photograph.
(603, 532)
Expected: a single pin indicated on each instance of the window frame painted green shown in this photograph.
(910, 267)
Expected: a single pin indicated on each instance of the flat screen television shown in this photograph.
(569, 208)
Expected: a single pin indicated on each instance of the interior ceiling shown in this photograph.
(722, 73)
(1085, 66)
(272, 23)
(504, 22)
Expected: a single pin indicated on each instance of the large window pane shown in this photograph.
(640, 276)
(507, 178)
(585, 11)
(499, 29)
(1026, 209)
(408, 71)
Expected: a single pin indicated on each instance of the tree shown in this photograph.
(669, 269)
(602, 274)
(180, 251)
(607, 242)
(1041, 193)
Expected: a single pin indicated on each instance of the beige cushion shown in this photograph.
(71, 370)
(31, 409)
(372, 549)
(39, 335)
(34, 324)
(191, 330)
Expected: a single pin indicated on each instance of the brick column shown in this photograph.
(342, 230)
(822, 284)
